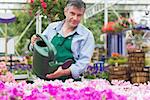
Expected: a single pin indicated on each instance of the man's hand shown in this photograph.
(58, 73)
(33, 39)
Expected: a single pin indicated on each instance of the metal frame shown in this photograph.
(119, 5)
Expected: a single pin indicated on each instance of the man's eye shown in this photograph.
(72, 13)
(79, 15)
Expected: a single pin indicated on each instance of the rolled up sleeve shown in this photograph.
(84, 56)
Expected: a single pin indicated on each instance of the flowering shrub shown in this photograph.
(118, 26)
(116, 58)
(97, 89)
(53, 9)
(56, 90)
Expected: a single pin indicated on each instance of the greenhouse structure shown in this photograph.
(75, 49)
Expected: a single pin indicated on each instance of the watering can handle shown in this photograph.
(49, 44)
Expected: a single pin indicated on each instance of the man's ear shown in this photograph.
(65, 10)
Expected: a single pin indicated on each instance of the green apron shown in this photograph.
(63, 47)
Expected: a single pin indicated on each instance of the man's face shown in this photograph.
(73, 15)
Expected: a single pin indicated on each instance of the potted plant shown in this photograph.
(117, 59)
(118, 67)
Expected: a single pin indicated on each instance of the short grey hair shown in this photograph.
(76, 3)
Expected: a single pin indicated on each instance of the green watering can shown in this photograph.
(44, 61)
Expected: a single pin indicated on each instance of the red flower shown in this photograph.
(109, 27)
(31, 1)
(44, 5)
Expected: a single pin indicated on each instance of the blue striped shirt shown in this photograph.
(82, 45)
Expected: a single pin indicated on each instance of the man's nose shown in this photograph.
(75, 17)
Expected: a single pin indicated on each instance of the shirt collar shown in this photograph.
(60, 24)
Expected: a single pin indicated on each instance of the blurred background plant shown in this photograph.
(138, 39)
(25, 16)
(5, 75)
(53, 9)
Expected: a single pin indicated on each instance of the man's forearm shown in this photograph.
(66, 72)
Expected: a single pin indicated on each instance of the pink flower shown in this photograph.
(130, 46)
(2, 85)
(17, 92)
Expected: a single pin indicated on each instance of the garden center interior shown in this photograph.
(120, 65)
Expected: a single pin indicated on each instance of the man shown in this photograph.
(71, 40)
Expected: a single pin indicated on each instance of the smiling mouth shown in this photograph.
(74, 23)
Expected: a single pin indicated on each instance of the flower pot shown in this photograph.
(139, 79)
(119, 72)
